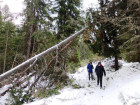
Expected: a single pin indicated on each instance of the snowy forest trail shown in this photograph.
(121, 88)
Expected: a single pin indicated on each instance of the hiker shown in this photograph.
(99, 72)
(90, 70)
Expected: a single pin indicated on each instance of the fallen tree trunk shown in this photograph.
(29, 61)
(47, 66)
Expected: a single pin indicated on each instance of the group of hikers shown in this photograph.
(99, 70)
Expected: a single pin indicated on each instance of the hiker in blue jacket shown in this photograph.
(90, 70)
(99, 72)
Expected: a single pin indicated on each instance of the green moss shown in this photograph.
(75, 86)
(42, 93)
(89, 85)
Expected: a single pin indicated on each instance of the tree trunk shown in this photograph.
(14, 61)
(116, 63)
(29, 42)
(5, 54)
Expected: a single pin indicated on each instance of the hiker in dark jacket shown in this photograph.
(99, 72)
(90, 70)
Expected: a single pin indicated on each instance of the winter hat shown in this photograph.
(99, 62)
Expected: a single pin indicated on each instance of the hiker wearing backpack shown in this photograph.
(90, 70)
(99, 72)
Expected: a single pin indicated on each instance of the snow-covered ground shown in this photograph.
(120, 88)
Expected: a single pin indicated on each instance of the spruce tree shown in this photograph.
(116, 27)
(130, 34)
(106, 33)
(10, 42)
(68, 17)
(38, 20)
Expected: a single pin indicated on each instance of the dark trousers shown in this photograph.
(99, 80)
(90, 75)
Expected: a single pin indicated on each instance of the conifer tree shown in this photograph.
(68, 17)
(106, 43)
(130, 34)
(116, 26)
(10, 40)
(38, 19)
